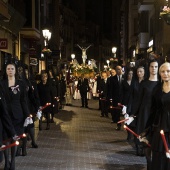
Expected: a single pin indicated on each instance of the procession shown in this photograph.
(84, 85)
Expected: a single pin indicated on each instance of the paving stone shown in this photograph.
(81, 140)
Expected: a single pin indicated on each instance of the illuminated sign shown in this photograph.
(3, 43)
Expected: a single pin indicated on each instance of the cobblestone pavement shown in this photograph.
(81, 140)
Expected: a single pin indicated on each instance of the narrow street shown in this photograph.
(81, 140)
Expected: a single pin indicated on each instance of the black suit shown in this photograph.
(104, 97)
(83, 86)
(116, 95)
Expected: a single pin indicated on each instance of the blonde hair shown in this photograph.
(163, 65)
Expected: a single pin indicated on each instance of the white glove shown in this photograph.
(126, 116)
(168, 154)
(2, 147)
(129, 121)
(124, 110)
(15, 137)
(28, 121)
(39, 114)
(144, 139)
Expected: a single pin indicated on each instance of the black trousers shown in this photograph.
(104, 107)
(115, 113)
(84, 101)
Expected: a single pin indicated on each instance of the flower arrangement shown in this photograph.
(82, 69)
(46, 50)
(165, 10)
(113, 59)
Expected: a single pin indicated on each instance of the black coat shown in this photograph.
(127, 94)
(103, 89)
(116, 92)
(45, 92)
(16, 104)
(144, 108)
(5, 120)
(83, 86)
(159, 118)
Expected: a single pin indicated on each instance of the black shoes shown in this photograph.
(81, 106)
(34, 145)
(86, 107)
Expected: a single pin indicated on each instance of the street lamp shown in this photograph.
(47, 36)
(73, 57)
(108, 61)
(114, 49)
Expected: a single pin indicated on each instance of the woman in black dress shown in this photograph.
(15, 95)
(144, 107)
(46, 95)
(139, 78)
(5, 121)
(127, 88)
(160, 120)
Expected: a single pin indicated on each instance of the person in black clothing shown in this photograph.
(83, 86)
(5, 122)
(53, 82)
(15, 96)
(45, 92)
(116, 95)
(127, 87)
(159, 119)
(33, 103)
(104, 95)
(98, 87)
(144, 109)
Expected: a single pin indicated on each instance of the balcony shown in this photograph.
(4, 15)
(30, 33)
(145, 5)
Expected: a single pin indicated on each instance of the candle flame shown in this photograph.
(24, 135)
(17, 143)
(125, 126)
(162, 132)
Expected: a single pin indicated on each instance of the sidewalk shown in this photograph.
(81, 140)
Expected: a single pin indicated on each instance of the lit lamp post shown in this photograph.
(73, 57)
(108, 61)
(47, 36)
(114, 49)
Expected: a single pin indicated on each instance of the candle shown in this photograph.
(9, 146)
(121, 121)
(119, 104)
(164, 141)
(131, 131)
(134, 133)
(112, 107)
(46, 105)
(20, 136)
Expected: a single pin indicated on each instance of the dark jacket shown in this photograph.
(83, 85)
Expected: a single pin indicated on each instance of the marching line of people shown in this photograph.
(145, 104)
(22, 101)
(143, 101)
